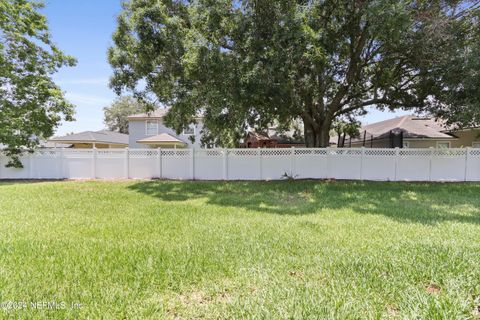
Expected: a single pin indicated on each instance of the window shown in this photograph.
(151, 128)
(406, 144)
(476, 144)
(443, 144)
(190, 130)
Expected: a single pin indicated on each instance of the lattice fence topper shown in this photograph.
(449, 152)
(242, 152)
(78, 153)
(345, 152)
(46, 153)
(275, 152)
(415, 152)
(475, 152)
(109, 153)
(209, 153)
(380, 153)
(133, 153)
(310, 151)
(175, 153)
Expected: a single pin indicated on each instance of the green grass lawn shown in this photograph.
(266, 250)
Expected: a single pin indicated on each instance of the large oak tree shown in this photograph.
(31, 104)
(250, 63)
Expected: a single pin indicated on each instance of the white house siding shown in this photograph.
(137, 131)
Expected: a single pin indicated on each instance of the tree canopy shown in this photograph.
(245, 64)
(116, 115)
(31, 104)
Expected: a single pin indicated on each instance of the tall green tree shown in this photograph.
(254, 62)
(31, 104)
(116, 115)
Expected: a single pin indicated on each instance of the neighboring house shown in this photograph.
(413, 132)
(90, 139)
(263, 140)
(258, 140)
(147, 130)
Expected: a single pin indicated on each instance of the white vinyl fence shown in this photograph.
(249, 164)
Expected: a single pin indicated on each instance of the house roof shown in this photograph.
(259, 136)
(162, 138)
(412, 127)
(102, 136)
(155, 114)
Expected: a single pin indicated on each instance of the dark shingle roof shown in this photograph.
(412, 127)
(102, 136)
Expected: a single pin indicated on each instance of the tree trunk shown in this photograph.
(317, 138)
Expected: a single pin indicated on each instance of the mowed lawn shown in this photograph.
(216, 250)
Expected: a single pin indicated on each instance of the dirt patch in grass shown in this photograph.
(433, 288)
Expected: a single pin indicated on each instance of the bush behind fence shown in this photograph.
(249, 164)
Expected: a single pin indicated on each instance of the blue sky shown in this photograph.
(83, 29)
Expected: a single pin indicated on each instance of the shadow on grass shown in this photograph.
(426, 203)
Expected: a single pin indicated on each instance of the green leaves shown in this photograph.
(31, 104)
(116, 115)
(261, 62)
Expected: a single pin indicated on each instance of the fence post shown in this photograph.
(430, 164)
(259, 155)
(225, 163)
(397, 155)
(94, 163)
(159, 162)
(467, 153)
(192, 163)
(292, 161)
(361, 163)
(328, 170)
(62, 169)
(30, 165)
(127, 163)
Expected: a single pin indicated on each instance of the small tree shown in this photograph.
(343, 128)
(116, 115)
(31, 104)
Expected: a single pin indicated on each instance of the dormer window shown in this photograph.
(151, 127)
(190, 130)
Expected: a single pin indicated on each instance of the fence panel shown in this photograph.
(209, 164)
(78, 164)
(176, 164)
(15, 173)
(310, 163)
(111, 164)
(276, 163)
(379, 164)
(46, 164)
(448, 165)
(244, 164)
(142, 163)
(473, 165)
(413, 164)
(344, 164)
